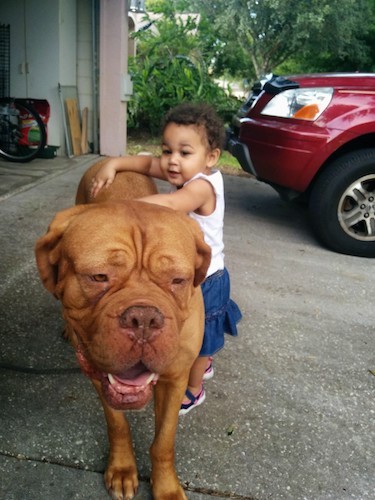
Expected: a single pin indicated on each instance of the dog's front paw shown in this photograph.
(121, 482)
(168, 489)
(170, 495)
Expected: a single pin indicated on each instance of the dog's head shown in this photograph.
(125, 274)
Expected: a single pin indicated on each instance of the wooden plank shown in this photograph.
(74, 123)
(84, 143)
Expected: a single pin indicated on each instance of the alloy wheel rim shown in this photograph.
(356, 209)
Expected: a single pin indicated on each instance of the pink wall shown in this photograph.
(113, 67)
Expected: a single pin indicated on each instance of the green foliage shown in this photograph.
(160, 84)
(241, 40)
(169, 68)
(281, 35)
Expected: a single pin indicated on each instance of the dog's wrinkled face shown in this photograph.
(125, 274)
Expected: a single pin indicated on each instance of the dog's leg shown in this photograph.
(168, 398)
(121, 477)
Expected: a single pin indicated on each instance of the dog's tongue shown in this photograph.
(138, 375)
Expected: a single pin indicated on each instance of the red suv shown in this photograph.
(313, 137)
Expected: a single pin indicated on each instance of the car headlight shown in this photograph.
(304, 104)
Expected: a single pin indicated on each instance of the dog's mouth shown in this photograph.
(130, 390)
(138, 376)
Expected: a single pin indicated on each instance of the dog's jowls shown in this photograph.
(127, 274)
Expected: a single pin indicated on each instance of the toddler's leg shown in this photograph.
(195, 394)
(209, 371)
(196, 374)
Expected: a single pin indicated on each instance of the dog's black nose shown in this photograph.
(142, 323)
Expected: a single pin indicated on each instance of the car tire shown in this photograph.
(342, 204)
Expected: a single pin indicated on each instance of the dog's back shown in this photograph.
(126, 186)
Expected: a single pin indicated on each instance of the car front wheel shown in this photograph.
(342, 204)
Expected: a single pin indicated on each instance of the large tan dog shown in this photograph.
(127, 275)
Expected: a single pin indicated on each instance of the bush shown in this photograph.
(161, 84)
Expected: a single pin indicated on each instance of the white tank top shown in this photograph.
(212, 225)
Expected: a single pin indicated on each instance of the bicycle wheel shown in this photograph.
(22, 131)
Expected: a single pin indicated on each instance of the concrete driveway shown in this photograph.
(290, 411)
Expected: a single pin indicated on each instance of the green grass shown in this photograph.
(227, 160)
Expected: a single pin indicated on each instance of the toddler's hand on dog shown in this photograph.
(103, 179)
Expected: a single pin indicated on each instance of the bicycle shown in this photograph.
(22, 132)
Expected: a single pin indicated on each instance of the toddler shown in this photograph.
(192, 140)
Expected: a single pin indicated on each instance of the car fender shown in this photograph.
(340, 140)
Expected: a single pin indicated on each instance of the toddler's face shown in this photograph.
(185, 153)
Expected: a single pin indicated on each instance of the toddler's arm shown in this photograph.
(197, 196)
(143, 164)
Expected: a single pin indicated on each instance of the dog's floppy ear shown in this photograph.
(47, 248)
(203, 257)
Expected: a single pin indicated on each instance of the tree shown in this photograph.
(312, 33)
(243, 39)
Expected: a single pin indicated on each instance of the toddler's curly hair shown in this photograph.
(201, 115)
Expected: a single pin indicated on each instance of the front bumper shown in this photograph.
(281, 152)
(240, 151)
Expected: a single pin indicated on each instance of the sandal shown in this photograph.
(194, 401)
(209, 372)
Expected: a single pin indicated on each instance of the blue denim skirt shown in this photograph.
(221, 313)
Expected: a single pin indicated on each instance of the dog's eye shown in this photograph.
(178, 281)
(100, 278)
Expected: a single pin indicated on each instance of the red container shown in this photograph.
(29, 128)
